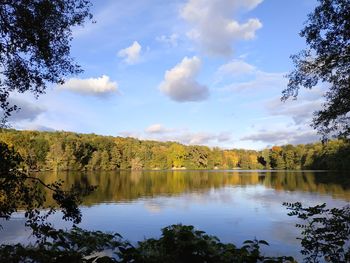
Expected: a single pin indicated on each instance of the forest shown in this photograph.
(68, 151)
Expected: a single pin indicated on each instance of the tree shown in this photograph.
(159, 157)
(177, 154)
(288, 156)
(35, 41)
(325, 232)
(35, 45)
(20, 191)
(276, 158)
(326, 60)
(216, 157)
(197, 157)
(266, 158)
(115, 158)
(244, 162)
(230, 159)
(136, 164)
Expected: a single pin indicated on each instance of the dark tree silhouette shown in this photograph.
(325, 232)
(326, 60)
(20, 191)
(35, 45)
(35, 41)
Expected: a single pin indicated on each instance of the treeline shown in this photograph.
(74, 151)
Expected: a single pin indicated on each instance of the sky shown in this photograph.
(204, 72)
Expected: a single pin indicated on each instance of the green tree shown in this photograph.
(266, 158)
(325, 232)
(105, 161)
(245, 161)
(83, 152)
(35, 45)
(288, 156)
(136, 164)
(20, 191)
(326, 60)
(55, 154)
(308, 159)
(215, 158)
(159, 157)
(177, 154)
(95, 161)
(277, 161)
(115, 158)
(298, 156)
(197, 157)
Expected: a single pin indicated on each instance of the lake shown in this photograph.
(233, 205)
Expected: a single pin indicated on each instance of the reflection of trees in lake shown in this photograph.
(130, 185)
(332, 183)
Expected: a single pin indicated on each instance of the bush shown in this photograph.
(178, 243)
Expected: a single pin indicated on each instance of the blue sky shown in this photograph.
(207, 72)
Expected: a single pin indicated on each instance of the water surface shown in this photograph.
(233, 205)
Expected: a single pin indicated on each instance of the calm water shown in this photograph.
(233, 205)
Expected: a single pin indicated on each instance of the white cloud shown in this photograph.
(195, 138)
(300, 110)
(282, 137)
(28, 111)
(243, 76)
(235, 68)
(202, 138)
(91, 86)
(214, 27)
(157, 129)
(180, 84)
(239, 75)
(161, 133)
(38, 127)
(132, 134)
(171, 40)
(224, 136)
(260, 80)
(131, 54)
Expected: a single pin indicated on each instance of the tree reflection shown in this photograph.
(130, 185)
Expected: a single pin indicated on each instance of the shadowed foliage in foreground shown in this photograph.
(20, 191)
(325, 232)
(178, 243)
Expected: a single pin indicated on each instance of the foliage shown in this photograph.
(327, 60)
(178, 243)
(22, 192)
(325, 233)
(76, 245)
(35, 45)
(72, 151)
